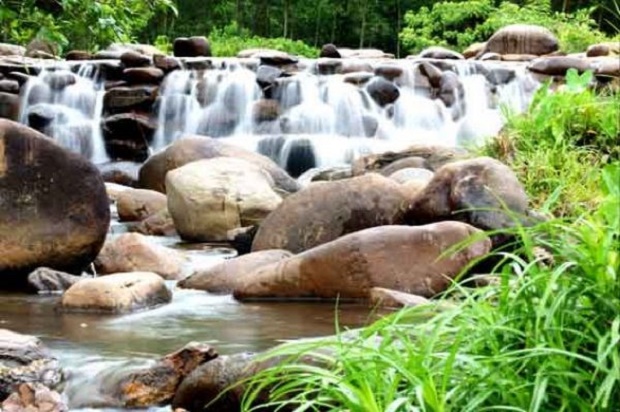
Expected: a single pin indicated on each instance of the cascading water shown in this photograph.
(307, 119)
(67, 106)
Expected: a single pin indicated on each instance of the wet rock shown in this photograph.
(382, 91)
(482, 192)
(46, 280)
(24, 359)
(346, 206)
(451, 89)
(389, 71)
(412, 173)
(217, 121)
(275, 58)
(132, 252)
(358, 78)
(127, 136)
(9, 106)
(325, 174)
(9, 86)
(157, 385)
(265, 110)
(41, 116)
(266, 77)
(54, 210)
(143, 75)
(241, 239)
(432, 73)
(437, 52)
(78, 55)
(434, 157)
(123, 99)
(138, 204)
(327, 66)
(59, 80)
(499, 75)
(20, 78)
(191, 47)
(225, 276)
(34, 397)
(558, 66)
(158, 224)
(381, 297)
(209, 197)
(474, 50)
(364, 54)
(7, 49)
(166, 63)
(122, 173)
(330, 51)
(118, 293)
(603, 49)
(135, 59)
(405, 163)
(408, 259)
(522, 39)
(193, 148)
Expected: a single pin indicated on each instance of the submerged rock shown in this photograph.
(54, 210)
(408, 259)
(46, 280)
(34, 397)
(118, 293)
(324, 211)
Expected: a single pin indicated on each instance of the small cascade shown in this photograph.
(67, 106)
(305, 119)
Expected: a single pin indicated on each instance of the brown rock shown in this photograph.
(224, 277)
(522, 39)
(191, 47)
(9, 86)
(408, 259)
(127, 135)
(158, 224)
(132, 58)
(138, 204)
(382, 91)
(54, 210)
(301, 222)
(558, 66)
(381, 297)
(143, 75)
(330, 51)
(474, 50)
(434, 158)
(118, 293)
(78, 55)
(130, 98)
(9, 106)
(132, 252)
(123, 173)
(437, 52)
(166, 63)
(389, 71)
(34, 397)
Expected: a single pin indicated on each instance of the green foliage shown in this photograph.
(558, 145)
(230, 40)
(545, 337)
(460, 23)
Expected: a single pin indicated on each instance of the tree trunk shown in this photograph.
(285, 22)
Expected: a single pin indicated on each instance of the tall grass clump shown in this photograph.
(546, 337)
(559, 144)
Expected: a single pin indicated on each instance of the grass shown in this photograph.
(546, 337)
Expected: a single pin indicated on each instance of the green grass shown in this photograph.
(546, 338)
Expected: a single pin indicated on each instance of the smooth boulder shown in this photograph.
(403, 258)
(54, 209)
(209, 197)
(324, 211)
(118, 293)
(137, 204)
(522, 39)
(388, 298)
(46, 280)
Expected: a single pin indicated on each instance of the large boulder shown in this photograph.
(522, 39)
(192, 148)
(24, 359)
(432, 158)
(224, 277)
(330, 51)
(118, 293)
(7, 49)
(482, 192)
(382, 91)
(407, 259)
(559, 65)
(54, 210)
(209, 197)
(138, 204)
(127, 136)
(324, 211)
(191, 47)
(132, 252)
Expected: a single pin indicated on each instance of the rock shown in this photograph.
(408, 259)
(437, 52)
(59, 80)
(434, 157)
(358, 78)
(412, 173)
(145, 49)
(265, 110)
(492, 57)
(275, 58)
(301, 222)
(193, 148)
(474, 50)
(209, 197)
(432, 73)
(11, 50)
(603, 49)
(405, 163)
(330, 51)
(191, 47)
(42, 115)
(158, 384)
(134, 59)
(78, 55)
(143, 75)
(607, 67)
(20, 78)
(123, 99)
(138, 204)
(9, 86)
(451, 89)
(224, 277)
(118, 293)
(34, 397)
(127, 136)
(132, 252)
(9, 106)
(381, 297)
(158, 224)
(46, 280)
(356, 66)
(327, 66)
(114, 190)
(558, 66)
(389, 72)
(24, 359)
(515, 57)
(382, 91)
(522, 39)
(41, 49)
(241, 239)
(53, 206)
(122, 173)
(476, 191)
(325, 174)
(364, 54)
(166, 63)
